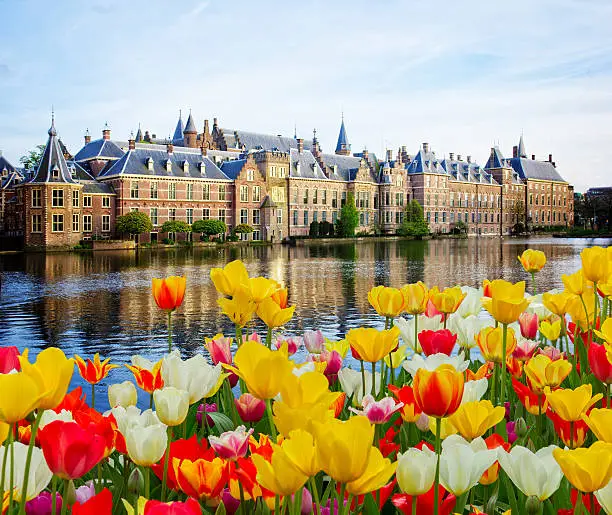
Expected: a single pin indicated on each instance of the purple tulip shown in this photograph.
(43, 504)
(208, 408)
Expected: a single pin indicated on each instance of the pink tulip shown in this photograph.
(85, 492)
(231, 445)
(524, 349)
(529, 325)
(9, 359)
(314, 341)
(250, 408)
(333, 364)
(254, 338)
(510, 429)
(220, 349)
(431, 310)
(378, 412)
(230, 503)
(552, 352)
(293, 343)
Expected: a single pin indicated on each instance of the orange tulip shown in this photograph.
(148, 380)
(93, 371)
(534, 402)
(169, 292)
(201, 478)
(438, 393)
(410, 411)
(490, 342)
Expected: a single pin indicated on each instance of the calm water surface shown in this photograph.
(101, 302)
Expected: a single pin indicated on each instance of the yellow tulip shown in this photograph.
(490, 343)
(376, 475)
(606, 331)
(532, 260)
(551, 331)
(397, 357)
(507, 300)
(595, 265)
(280, 475)
(300, 449)
(288, 419)
(264, 371)
(448, 300)
(52, 371)
(556, 302)
(20, 394)
(415, 296)
(543, 371)
(240, 308)
(340, 346)
(372, 344)
(446, 429)
(272, 314)
(606, 287)
(473, 419)
(574, 283)
(587, 469)
(599, 421)
(229, 279)
(571, 404)
(261, 288)
(343, 447)
(576, 309)
(388, 302)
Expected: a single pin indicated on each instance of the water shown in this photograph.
(101, 302)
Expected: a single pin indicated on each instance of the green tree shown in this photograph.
(209, 227)
(326, 228)
(314, 229)
(414, 223)
(175, 226)
(349, 218)
(32, 158)
(243, 229)
(135, 222)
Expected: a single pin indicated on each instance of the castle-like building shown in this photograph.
(276, 184)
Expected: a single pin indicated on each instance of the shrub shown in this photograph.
(349, 218)
(314, 229)
(209, 227)
(176, 226)
(168, 241)
(135, 222)
(243, 229)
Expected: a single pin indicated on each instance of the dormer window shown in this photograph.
(150, 164)
(250, 175)
(186, 167)
(202, 168)
(73, 172)
(4, 172)
(169, 166)
(55, 172)
(335, 169)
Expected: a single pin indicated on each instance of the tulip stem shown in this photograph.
(437, 477)
(341, 498)
(169, 331)
(277, 504)
(54, 495)
(65, 497)
(271, 419)
(269, 338)
(26, 476)
(4, 460)
(93, 396)
(315, 494)
(147, 482)
(392, 371)
(297, 501)
(592, 498)
(166, 462)
(238, 335)
(414, 503)
(533, 279)
(374, 379)
(363, 381)
(11, 475)
(416, 332)
(502, 389)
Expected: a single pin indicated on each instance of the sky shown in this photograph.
(462, 76)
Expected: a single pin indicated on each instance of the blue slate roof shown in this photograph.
(425, 162)
(463, 171)
(232, 168)
(135, 162)
(96, 187)
(178, 132)
(11, 180)
(257, 141)
(190, 127)
(5, 165)
(521, 148)
(99, 149)
(532, 169)
(53, 161)
(343, 143)
(304, 165)
(496, 159)
(341, 168)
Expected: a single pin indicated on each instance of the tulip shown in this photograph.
(433, 342)
(352, 384)
(373, 345)
(189, 507)
(575, 283)
(434, 361)
(542, 372)
(410, 411)
(572, 434)
(571, 404)
(148, 375)
(52, 371)
(314, 341)
(474, 390)
(279, 475)
(388, 302)
(557, 302)
(168, 293)
(537, 307)
(483, 372)
(377, 473)
(43, 504)
(39, 474)
(343, 448)
(595, 264)
(378, 412)
(250, 408)
(341, 347)
(101, 504)
(9, 359)
(599, 421)
(85, 492)
(532, 260)
(587, 469)
(416, 470)
(172, 405)
(231, 445)
(240, 308)
(535, 474)
(494, 442)
(604, 496)
(20, 394)
(201, 478)
(291, 343)
(448, 300)
(194, 375)
(471, 306)
(145, 436)
(229, 279)
(534, 402)
(507, 301)
(409, 329)
(490, 342)
(333, 364)
(552, 353)
(301, 450)
(524, 349)
(529, 325)
(442, 427)
(581, 309)
(438, 393)
(415, 298)
(49, 416)
(262, 288)
(93, 371)
(473, 419)
(551, 331)
(466, 328)
(203, 409)
(425, 503)
(122, 394)
(272, 314)
(606, 331)
(220, 349)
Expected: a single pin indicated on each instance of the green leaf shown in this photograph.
(221, 509)
(222, 422)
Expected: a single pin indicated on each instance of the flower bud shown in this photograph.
(172, 405)
(520, 428)
(122, 394)
(532, 505)
(136, 482)
(69, 496)
(423, 422)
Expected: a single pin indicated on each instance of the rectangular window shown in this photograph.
(444, 217)
(86, 223)
(154, 190)
(189, 191)
(250, 175)
(105, 202)
(306, 196)
(105, 223)
(75, 198)
(256, 235)
(306, 218)
(58, 223)
(37, 222)
(172, 191)
(244, 216)
(75, 222)
(206, 192)
(36, 199)
(324, 198)
(86, 200)
(256, 217)
(222, 215)
(256, 193)
(189, 215)
(428, 217)
(295, 218)
(244, 193)
(279, 216)
(315, 197)
(206, 213)
(436, 217)
(295, 196)
(334, 199)
(154, 216)
(57, 197)
(221, 192)
(315, 216)
(172, 214)
(134, 189)
(343, 199)
(334, 216)
(324, 216)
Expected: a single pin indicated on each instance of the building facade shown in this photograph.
(277, 185)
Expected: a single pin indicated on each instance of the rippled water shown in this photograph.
(101, 302)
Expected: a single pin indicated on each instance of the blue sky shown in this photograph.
(459, 75)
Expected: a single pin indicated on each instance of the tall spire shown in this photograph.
(342, 147)
(53, 166)
(521, 147)
(190, 127)
(178, 132)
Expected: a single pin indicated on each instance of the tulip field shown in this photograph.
(471, 400)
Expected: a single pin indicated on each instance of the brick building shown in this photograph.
(278, 185)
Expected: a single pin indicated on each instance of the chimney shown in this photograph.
(403, 149)
(131, 142)
(215, 123)
(366, 154)
(389, 155)
(451, 156)
(533, 157)
(87, 137)
(459, 158)
(204, 150)
(170, 148)
(300, 145)
(515, 151)
(550, 158)
(425, 147)
(106, 132)
(469, 159)
(206, 127)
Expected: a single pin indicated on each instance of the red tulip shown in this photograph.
(70, 450)
(410, 411)
(100, 504)
(95, 423)
(529, 325)
(169, 292)
(387, 443)
(9, 359)
(73, 401)
(431, 310)
(189, 507)
(600, 365)
(563, 429)
(250, 408)
(425, 502)
(534, 403)
(433, 342)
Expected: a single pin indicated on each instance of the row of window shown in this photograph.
(190, 193)
(255, 194)
(539, 200)
(57, 199)
(190, 214)
(57, 223)
(544, 216)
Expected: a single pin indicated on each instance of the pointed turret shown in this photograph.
(190, 133)
(521, 148)
(342, 147)
(138, 134)
(178, 132)
(53, 167)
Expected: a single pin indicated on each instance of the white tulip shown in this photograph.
(406, 327)
(467, 328)
(194, 375)
(352, 383)
(122, 394)
(416, 471)
(132, 417)
(39, 475)
(472, 304)
(536, 474)
(604, 496)
(434, 361)
(49, 416)
(537, 307)
(474, 390)
(463, 463)
(146, 444)
(171, 405)
(140, 362)
(302, 369)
